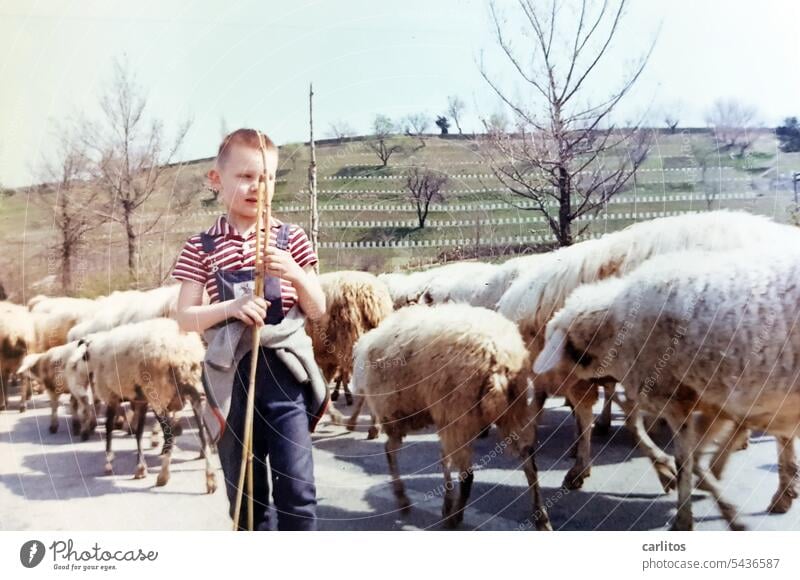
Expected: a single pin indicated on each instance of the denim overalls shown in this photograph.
(280, 429)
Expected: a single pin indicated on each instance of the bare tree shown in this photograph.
(455, 108)
(565, 152)
(671, 120)
(69, 195)
(415, 126)
(704, 156)
(131, 158)
(443, 124)
(733, 124)
(383, 128)
(341, 130)
(424, 187)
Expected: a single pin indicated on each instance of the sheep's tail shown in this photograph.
(494, 402)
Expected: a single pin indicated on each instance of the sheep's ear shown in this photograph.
(552, 353)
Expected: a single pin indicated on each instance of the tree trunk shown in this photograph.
(66, 269)
(564, 223)
(132, 253)
(312, 179)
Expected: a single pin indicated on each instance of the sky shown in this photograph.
(239, 63)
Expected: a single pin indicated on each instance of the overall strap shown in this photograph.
(209, 245)
(282, 241)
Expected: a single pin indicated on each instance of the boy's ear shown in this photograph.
(213, 178)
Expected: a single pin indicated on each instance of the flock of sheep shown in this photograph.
(690, 319)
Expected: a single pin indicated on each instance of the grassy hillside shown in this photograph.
(367, 222)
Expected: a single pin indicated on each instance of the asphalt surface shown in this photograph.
(56, 482)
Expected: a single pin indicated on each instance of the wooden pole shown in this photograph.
(264, 216)
(312, 178)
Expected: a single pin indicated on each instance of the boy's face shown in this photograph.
(236, 178)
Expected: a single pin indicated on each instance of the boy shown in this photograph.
(220, 262)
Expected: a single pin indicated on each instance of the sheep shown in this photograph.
(355, 302)
(153, 364)
(696, 331)
(129, 306)
(459, 368)
(534, 298)
(23, 332)
(78, 306)
(407, 289)
(50, 370)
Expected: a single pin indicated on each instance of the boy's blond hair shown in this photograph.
(244, 138)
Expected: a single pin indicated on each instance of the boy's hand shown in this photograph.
(281, 264)
(250, 309)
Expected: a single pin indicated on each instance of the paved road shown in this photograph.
(54, 482)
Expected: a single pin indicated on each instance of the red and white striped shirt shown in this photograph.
(233, 252)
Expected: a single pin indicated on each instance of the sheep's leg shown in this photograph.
(155, 434)
(140, 412)
(348, 396)
(335, 392)
(539, 516)
(683, 430)
(582, 399)
(393, 444)
(111, 416)
(27, 393)
(53, 411)
(603, 424)
(166, 450)
(732, 443)
(4, 378)
(74, 406)
(353, 420)
(85, 417)
(662, 463)
(205, 452)
(787, 476)
(373, 431)
(449, 494)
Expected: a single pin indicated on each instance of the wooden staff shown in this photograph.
(264, 211)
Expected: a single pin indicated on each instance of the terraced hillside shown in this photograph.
(367, 221)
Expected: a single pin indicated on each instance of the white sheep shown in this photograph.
(355, 302)
(153, 364)
(696, 331)
(50, 369)
(23, 332)
(533, 299)
(456, 367)
(126, 307)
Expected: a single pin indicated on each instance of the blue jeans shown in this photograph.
(280, 432)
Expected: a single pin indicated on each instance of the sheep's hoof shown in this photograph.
(575, 477)
(404, 505)
(162, 479)
(141, 471)
(454, 520)
(211, 483)
(350, 425)
(53, 428)
(76, 428)
(23, 407)
(682, 526)
(108, 469)
(737, 527)
(348, 399)
(85, 435)
(601, 429)
(667, 476)
(542, 523)
(335, 396)
(372, 433)
(781, 502)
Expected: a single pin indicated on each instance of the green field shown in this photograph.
(364, 211)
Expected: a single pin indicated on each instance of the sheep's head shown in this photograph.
(580, 338)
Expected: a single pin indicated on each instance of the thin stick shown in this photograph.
(264, 216)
